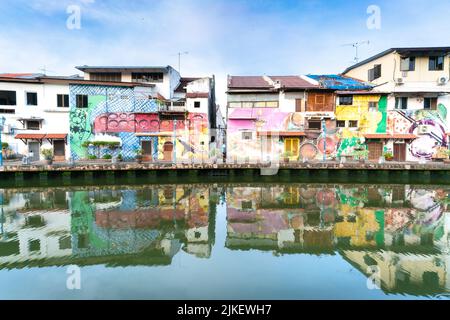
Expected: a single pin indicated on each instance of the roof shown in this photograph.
(86, 68)
(293, 82)
(390, 136)
(340, 82)
(72, 80)
(405, 51)
(183, 83)
(21, 75)
(248, 82)
(195, 95)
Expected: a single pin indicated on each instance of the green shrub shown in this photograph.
(5, 145)
(92, 157)
(47, 153)
(107, 157)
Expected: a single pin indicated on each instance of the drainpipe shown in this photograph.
(324, 130)
(2, 123)
(175, 141)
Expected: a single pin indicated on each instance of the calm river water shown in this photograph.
(225, 241)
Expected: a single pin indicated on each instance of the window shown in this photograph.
(373, 106)
(147, 77)
(34, 245)
(62, 100)
(340, 123)
(430, 103)
(197, 104)
(401, 103)
(33, 125)
(353, 124)
(375, 73)
(247, 136)
(106, 76)
(436, 63)
(8, 111)
(32, 99)
(314, 125)
(65, 243)
(408, 64)
(82, 101)
(7, 98)
(247, 205)
(255, 104)
(345, 100)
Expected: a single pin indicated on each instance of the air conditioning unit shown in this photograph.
(399, 81)
(423, 129)
(442, 81)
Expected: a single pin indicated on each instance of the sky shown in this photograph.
(222, 37)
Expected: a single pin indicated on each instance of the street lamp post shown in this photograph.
(2, 123)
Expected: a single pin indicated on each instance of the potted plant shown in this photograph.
(361, 155)
(286, 155)
(139, 156)
(119, 157)
(388, 156)
(48, 155)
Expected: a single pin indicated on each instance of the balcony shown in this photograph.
(173, 106)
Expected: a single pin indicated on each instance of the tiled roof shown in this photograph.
(248, 82)
(293, 82)
(194, 95)
(21, 75)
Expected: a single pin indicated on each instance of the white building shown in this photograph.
(36, 109)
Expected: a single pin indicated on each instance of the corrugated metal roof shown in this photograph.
(293, 82)
(123, 68)
(340, 82)
(248, 82)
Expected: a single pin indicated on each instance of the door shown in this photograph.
(298, 105)
(168, 151)
(146, 150)
(375, 150)
(292, 145)
(400, 152)
(34, 150)
(59, 150)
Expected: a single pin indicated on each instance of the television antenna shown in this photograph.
(179, 54)
(45, 70)
(356, 45)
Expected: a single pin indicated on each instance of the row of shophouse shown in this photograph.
(392, 105)
(111, 111)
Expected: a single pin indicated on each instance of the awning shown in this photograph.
(41, 136)
(282, 133)
(404, 136)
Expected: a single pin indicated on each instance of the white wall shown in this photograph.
(56, 120)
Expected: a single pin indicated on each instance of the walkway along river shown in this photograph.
(226, 240)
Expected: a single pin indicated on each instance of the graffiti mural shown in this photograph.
(430, 127)
(125, 115)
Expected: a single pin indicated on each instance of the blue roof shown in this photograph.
(339, 82)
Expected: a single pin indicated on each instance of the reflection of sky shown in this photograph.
(226, 274)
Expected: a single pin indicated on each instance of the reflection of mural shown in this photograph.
(394, 228)
(116, 113)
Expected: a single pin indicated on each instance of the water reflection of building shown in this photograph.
(400, 229)
(146, 225)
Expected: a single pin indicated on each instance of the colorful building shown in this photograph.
(416, 83)
(148, 111)
(285, 117)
